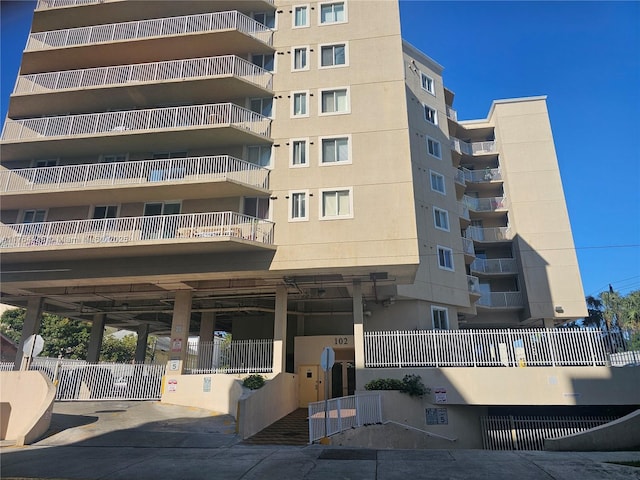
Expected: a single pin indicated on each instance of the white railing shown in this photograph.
(494, 265)
(339, 414)
(473, 284)
(145, 72)
(143, 172)
(136, 230)
(452, 114)
(463, 211)
(155, 27)
(501, 300)
(479, 176)
(528, 433)
(238, 356)
(484, 204)
(467, 247)
(46, 4)
(625, 359)
(490, 348)
(119, 123)
(6, 366)
(494, 234)
(460, 176)
(474, 148)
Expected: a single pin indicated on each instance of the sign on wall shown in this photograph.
(437, 416)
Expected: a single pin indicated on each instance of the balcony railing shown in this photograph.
(460, 176)
(146, 172)
(145, 72)
(46, 4)
(452, 114)
(467, 247)
(479, 176)
(136, 230)
(239, 356)
(475, 148)
(486, 204)
(118, 123)
(474, 284)
(155, 27)
(463, 211)
(494, 265)
(495, 234)
(501, 300)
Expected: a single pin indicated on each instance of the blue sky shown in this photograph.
(585, 56)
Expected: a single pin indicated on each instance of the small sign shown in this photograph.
(206, 384)
(327, 359)
(174, 365)
(437, 416)
(440, 395)
(172, 384)
(176, 345)
(33, 345)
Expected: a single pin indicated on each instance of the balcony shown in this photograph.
(482, 176)
(501, 300)
(495, 266)
(193, 231)
(463, 213)
(475, 148)
(474, 285)
(452, 114)
(210, 79)
(202, 35)
(196, 177)
(494, 234)
(199, 126)
(468, 249)
(48, 4)
(490, 204)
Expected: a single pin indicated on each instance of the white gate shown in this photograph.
(342, 414)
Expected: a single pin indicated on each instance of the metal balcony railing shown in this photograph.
(474, 285)
(495, 234)
(479, 176)
(475, 148)
(136, 230)
(145, 172)
(118, 123)
(145, 72)
(155, 27)
(494, 265)
(460, 176)
(46, 4)
(452, 114)
(501, 300)
(487, 204)
(463, 211)
(467, 247)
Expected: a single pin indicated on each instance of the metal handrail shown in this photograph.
(494, 265)
(47, 4)
(429, 434)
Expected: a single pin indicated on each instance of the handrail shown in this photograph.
(494, 265)
(47, 4)
(474, 148)
(430, 434)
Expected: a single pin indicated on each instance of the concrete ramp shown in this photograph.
(26, 402)
(621, 434)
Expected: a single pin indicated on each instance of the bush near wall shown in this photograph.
(410, 384)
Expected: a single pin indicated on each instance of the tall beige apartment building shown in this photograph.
(280, 170)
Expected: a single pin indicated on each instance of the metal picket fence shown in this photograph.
(339, 414)
(239, 356)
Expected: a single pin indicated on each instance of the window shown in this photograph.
(427, 83)
(105, 211)
(336, 204)
(441, 219)
(299, 153)
(299, 105)
(300, 16)
(259, 155)
(256, 207)
(161, 208)
(268, 19)
(440, 317)
(430, 115)
(335, 150)
(263, 60)
(34, 216)
(298, 206)
(263, 106)
(437, 182)
(332, 13)
(434, 149)
(333, 55)
(445, 258)
(334, 101)
(300, 59)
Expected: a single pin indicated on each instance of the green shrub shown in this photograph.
(253, 382)
(384, 384)
(410, 384)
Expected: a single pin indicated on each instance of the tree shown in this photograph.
(119, 350)
(594, 318)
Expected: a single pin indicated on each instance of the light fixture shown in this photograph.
(559, 309)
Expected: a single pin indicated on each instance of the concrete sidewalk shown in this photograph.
(129, 440)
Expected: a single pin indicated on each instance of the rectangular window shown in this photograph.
(268, 19)
(434, 149)
(332, 13)
(335, 150)
(256, 207)
(259, 155)
(300, 59)
(334, 101)
(430, 115)
(298, 206)
(263, 106)
(445, 258)
(299, 105)
(441, 219)
(34, 216)
(299, 153)
(105, 211)
(440, 317)
(427, 83)
(265, 61)
(336, 204)
(437, 182)
(300, 16)
(333, 55)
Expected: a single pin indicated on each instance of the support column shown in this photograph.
(300, 320)
(207, 356)
(548, 323)
(31, 326)
(358, 326)
(179, 332)
(280, 331)
(95, 340)
(141, 346)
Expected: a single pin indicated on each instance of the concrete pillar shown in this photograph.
(95, 340)
(300, 321)
(31, 326)
(280, 331)
(141, 346)
(207, 329)
(179, 332)
(358, 326)
(548, 323)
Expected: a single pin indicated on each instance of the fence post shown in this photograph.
(514, 435)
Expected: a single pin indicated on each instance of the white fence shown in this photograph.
(528, 433)
(494, 265)
(46, 4)
(136, 230)
(238, 356)
(125, 122)
(144, 172)
(486, 204)
(475, 148)
(339, 414)
(155, 27)
(145, 72)
(492, 234)
(501, 300)
(491, 348)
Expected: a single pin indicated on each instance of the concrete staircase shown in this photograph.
(292, 429)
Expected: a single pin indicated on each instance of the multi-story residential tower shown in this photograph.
(284, 171)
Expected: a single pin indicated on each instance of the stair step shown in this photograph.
(292, 429)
